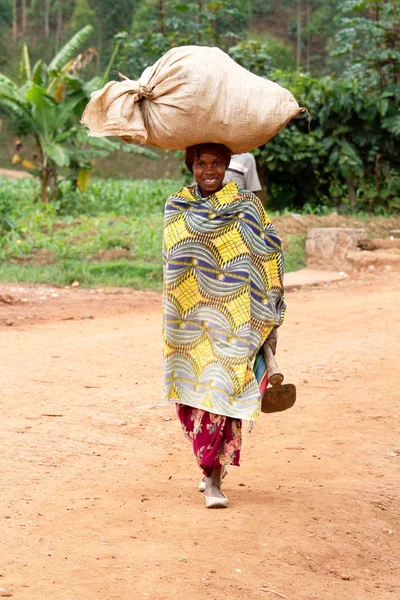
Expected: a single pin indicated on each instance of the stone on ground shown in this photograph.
(380, 244)
(297, 279)
(365, 258)
(327, 247)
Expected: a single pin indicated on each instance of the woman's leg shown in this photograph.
(213, 484)
(216, 442)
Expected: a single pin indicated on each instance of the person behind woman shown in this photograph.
(243, 170)
(223, 297)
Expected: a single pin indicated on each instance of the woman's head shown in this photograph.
(208, 163)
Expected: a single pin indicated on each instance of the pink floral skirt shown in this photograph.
(216, 439)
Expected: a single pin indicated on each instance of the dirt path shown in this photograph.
(14, 174)
(98, 487)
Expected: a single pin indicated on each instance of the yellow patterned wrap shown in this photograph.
(223, 293)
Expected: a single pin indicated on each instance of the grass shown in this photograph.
(109, 236)
(295, 252)
(139, 275)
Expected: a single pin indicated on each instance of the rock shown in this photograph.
(327, 247)
(9, 299)
(394, 453)
(365, 258)
(379, 244)
(113, 254)
(296, 279)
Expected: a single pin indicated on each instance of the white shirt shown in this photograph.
(242, 169)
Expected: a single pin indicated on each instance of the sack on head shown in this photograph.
(192, 95)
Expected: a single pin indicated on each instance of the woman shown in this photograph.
(223, 296)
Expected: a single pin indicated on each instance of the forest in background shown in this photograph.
(297, 33)
(341, 60)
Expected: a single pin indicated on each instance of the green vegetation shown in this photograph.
(47, 107)
(295, 252)
(346, 155)
(341, 59)
(138, 275)
(109, 235)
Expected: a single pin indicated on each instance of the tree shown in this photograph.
(82, 15)
(263, 57)
(194, 19)
(369, 39)
(349, 154)
(349, 158)
(59, 29)
(159, 26)
(298, 34)
(15, 21)
(48, 106)
(253, 56)
(319, 30)
(111, 18)
(6, 21)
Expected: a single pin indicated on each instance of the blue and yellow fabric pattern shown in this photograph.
(223, 293)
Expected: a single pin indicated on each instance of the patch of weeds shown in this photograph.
(295, 253)
(112, 234)
(138, 275)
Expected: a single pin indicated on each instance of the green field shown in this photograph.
(110, 235)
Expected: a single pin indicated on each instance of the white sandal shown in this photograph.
(216, 502)
(202, 482)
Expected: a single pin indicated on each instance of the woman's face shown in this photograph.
(209, 173)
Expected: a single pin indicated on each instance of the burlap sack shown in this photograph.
(193, 94)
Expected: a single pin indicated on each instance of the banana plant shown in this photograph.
(48, 106)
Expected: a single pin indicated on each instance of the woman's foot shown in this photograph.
(203, 480)
(213, 496)
(216, 501)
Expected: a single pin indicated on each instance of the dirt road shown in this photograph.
(14, 174)
(98, 486)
